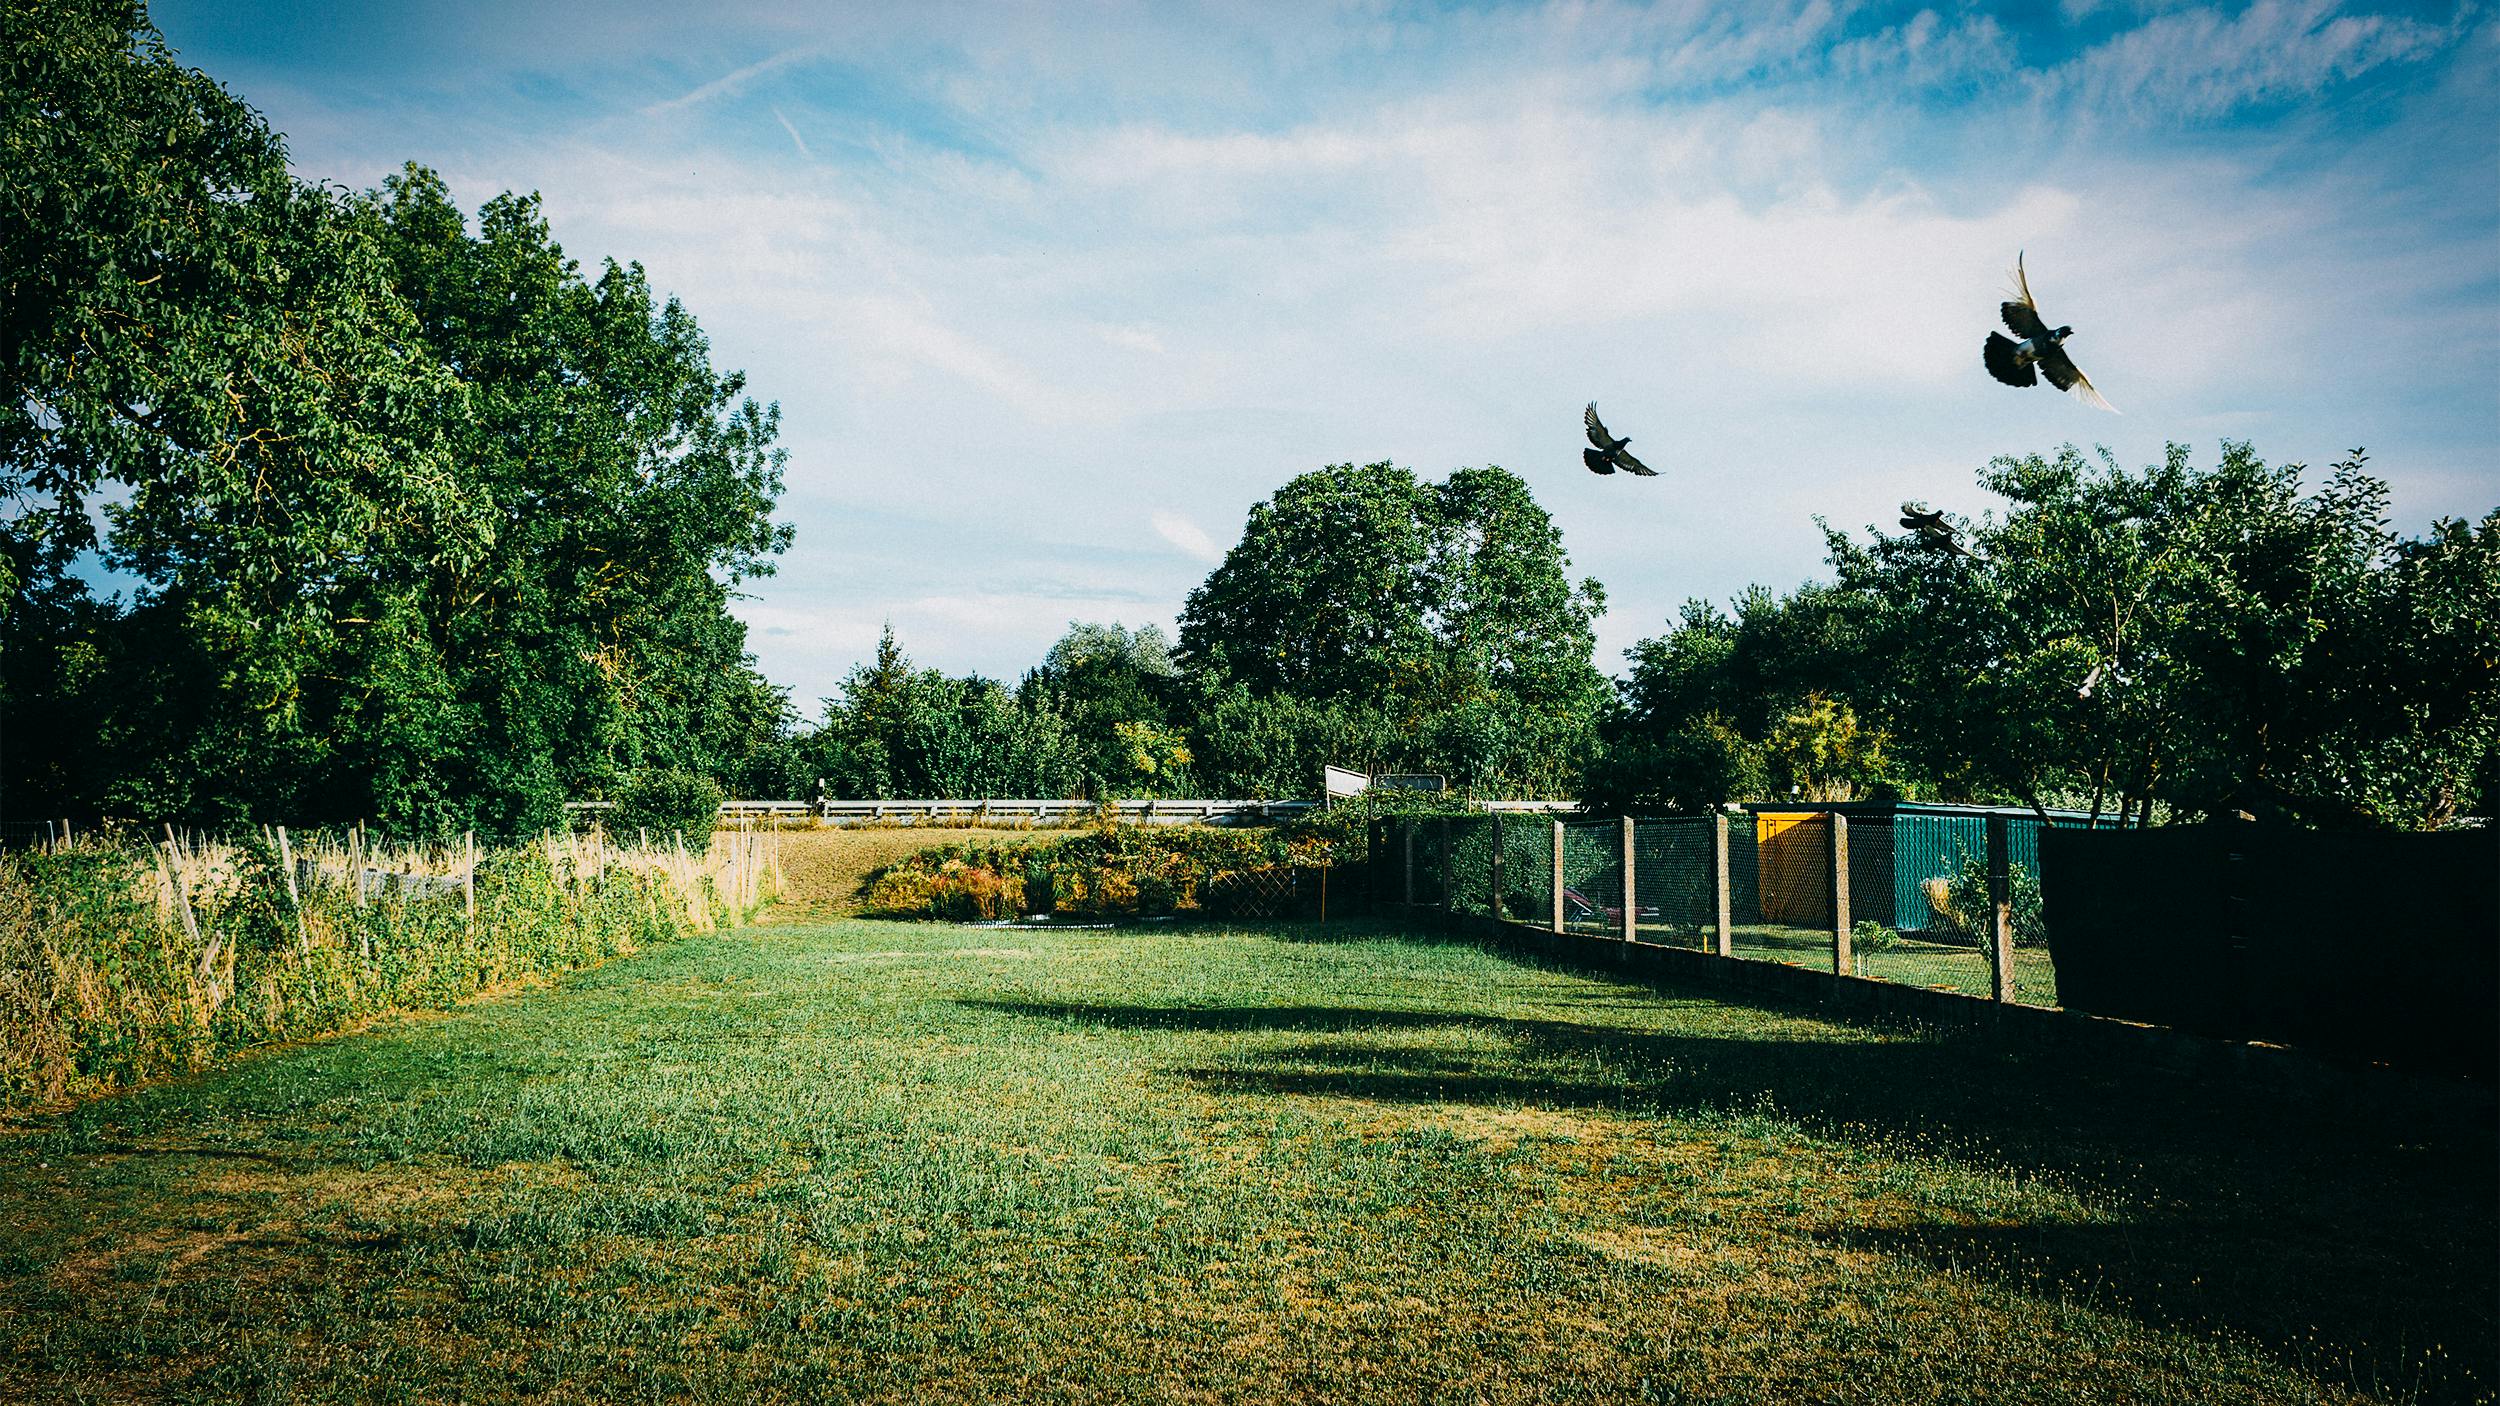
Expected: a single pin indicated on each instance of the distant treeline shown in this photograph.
(431, 528)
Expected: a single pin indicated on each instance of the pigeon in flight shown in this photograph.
(1932, 529)
(1609, 455)
(2041, 352)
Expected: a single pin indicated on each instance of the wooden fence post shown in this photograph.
(1558, 876)
(1494, 904)
(1841, 962)
(1406, 838)
(468, 874)
(356, 860)
(2000, 912)
(1630, 927)
(1719, 883)
(1449, 895)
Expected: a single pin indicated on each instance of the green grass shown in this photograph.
(874, 1161)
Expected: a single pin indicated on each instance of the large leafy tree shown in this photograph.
(1428, 624)
(632, 486)
(427, 528)
(2206, 640)
(204, 356)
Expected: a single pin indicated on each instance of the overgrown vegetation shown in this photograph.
(886, 1163)
(122, 962)
(1104, 871)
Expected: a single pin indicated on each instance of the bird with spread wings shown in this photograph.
(2042, 350)
(1609, 455)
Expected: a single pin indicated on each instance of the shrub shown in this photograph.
(1108, 871)
(1961, 903)
(1868, 935)
(667, 801)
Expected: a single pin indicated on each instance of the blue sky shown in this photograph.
(1050, 295)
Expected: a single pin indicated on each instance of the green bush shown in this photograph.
(1868, 935)
(1961, 903)
(1108, 871)
(667, 801)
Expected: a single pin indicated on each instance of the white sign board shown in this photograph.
(1341, 782)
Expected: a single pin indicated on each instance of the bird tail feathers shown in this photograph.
(1998, 352)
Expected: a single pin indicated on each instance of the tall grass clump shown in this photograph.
(122, 960)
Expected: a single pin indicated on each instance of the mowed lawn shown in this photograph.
(886, 1162)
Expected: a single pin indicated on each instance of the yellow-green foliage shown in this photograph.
(103, 984)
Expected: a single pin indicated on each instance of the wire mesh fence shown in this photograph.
(1527, 879)
(1592, 869)
(1913, 891)
(1675, 882)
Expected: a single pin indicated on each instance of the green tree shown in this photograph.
(214, 349)
(1361, 599)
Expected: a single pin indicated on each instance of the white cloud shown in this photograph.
(1072, 287)
(1188, 536)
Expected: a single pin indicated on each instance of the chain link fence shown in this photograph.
(1912, 893)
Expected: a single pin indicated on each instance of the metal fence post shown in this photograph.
(1841, 962)
(1719, 875)
(1558, 876)
(2000, 912)
(1631, 904)
(1493, 904)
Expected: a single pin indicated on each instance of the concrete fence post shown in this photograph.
(1631, 899)
(2000, 912)
(1841, 963)
(1719, 883)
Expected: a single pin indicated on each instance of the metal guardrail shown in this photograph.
(1054, 812)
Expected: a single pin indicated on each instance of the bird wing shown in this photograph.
(2061, 371)
(1597, 429)
(1916, 517)
(1624, 460)
(2022, 315)
(1597, 462)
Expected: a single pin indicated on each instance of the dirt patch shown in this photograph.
(824, 871)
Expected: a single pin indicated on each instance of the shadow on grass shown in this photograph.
(2348, 1226)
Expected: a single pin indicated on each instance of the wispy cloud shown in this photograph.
(1188, 536)
(795, 139)
(730, 83)
(1039, 281)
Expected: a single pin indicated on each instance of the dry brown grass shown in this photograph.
(824, 872)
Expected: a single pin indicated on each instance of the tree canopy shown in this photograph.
(426, 527)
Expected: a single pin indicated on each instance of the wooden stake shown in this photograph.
(294, 896)
(468, 874)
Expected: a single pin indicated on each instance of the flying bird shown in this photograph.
(1609, 455)
(2041, 352)
(1932, 529)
